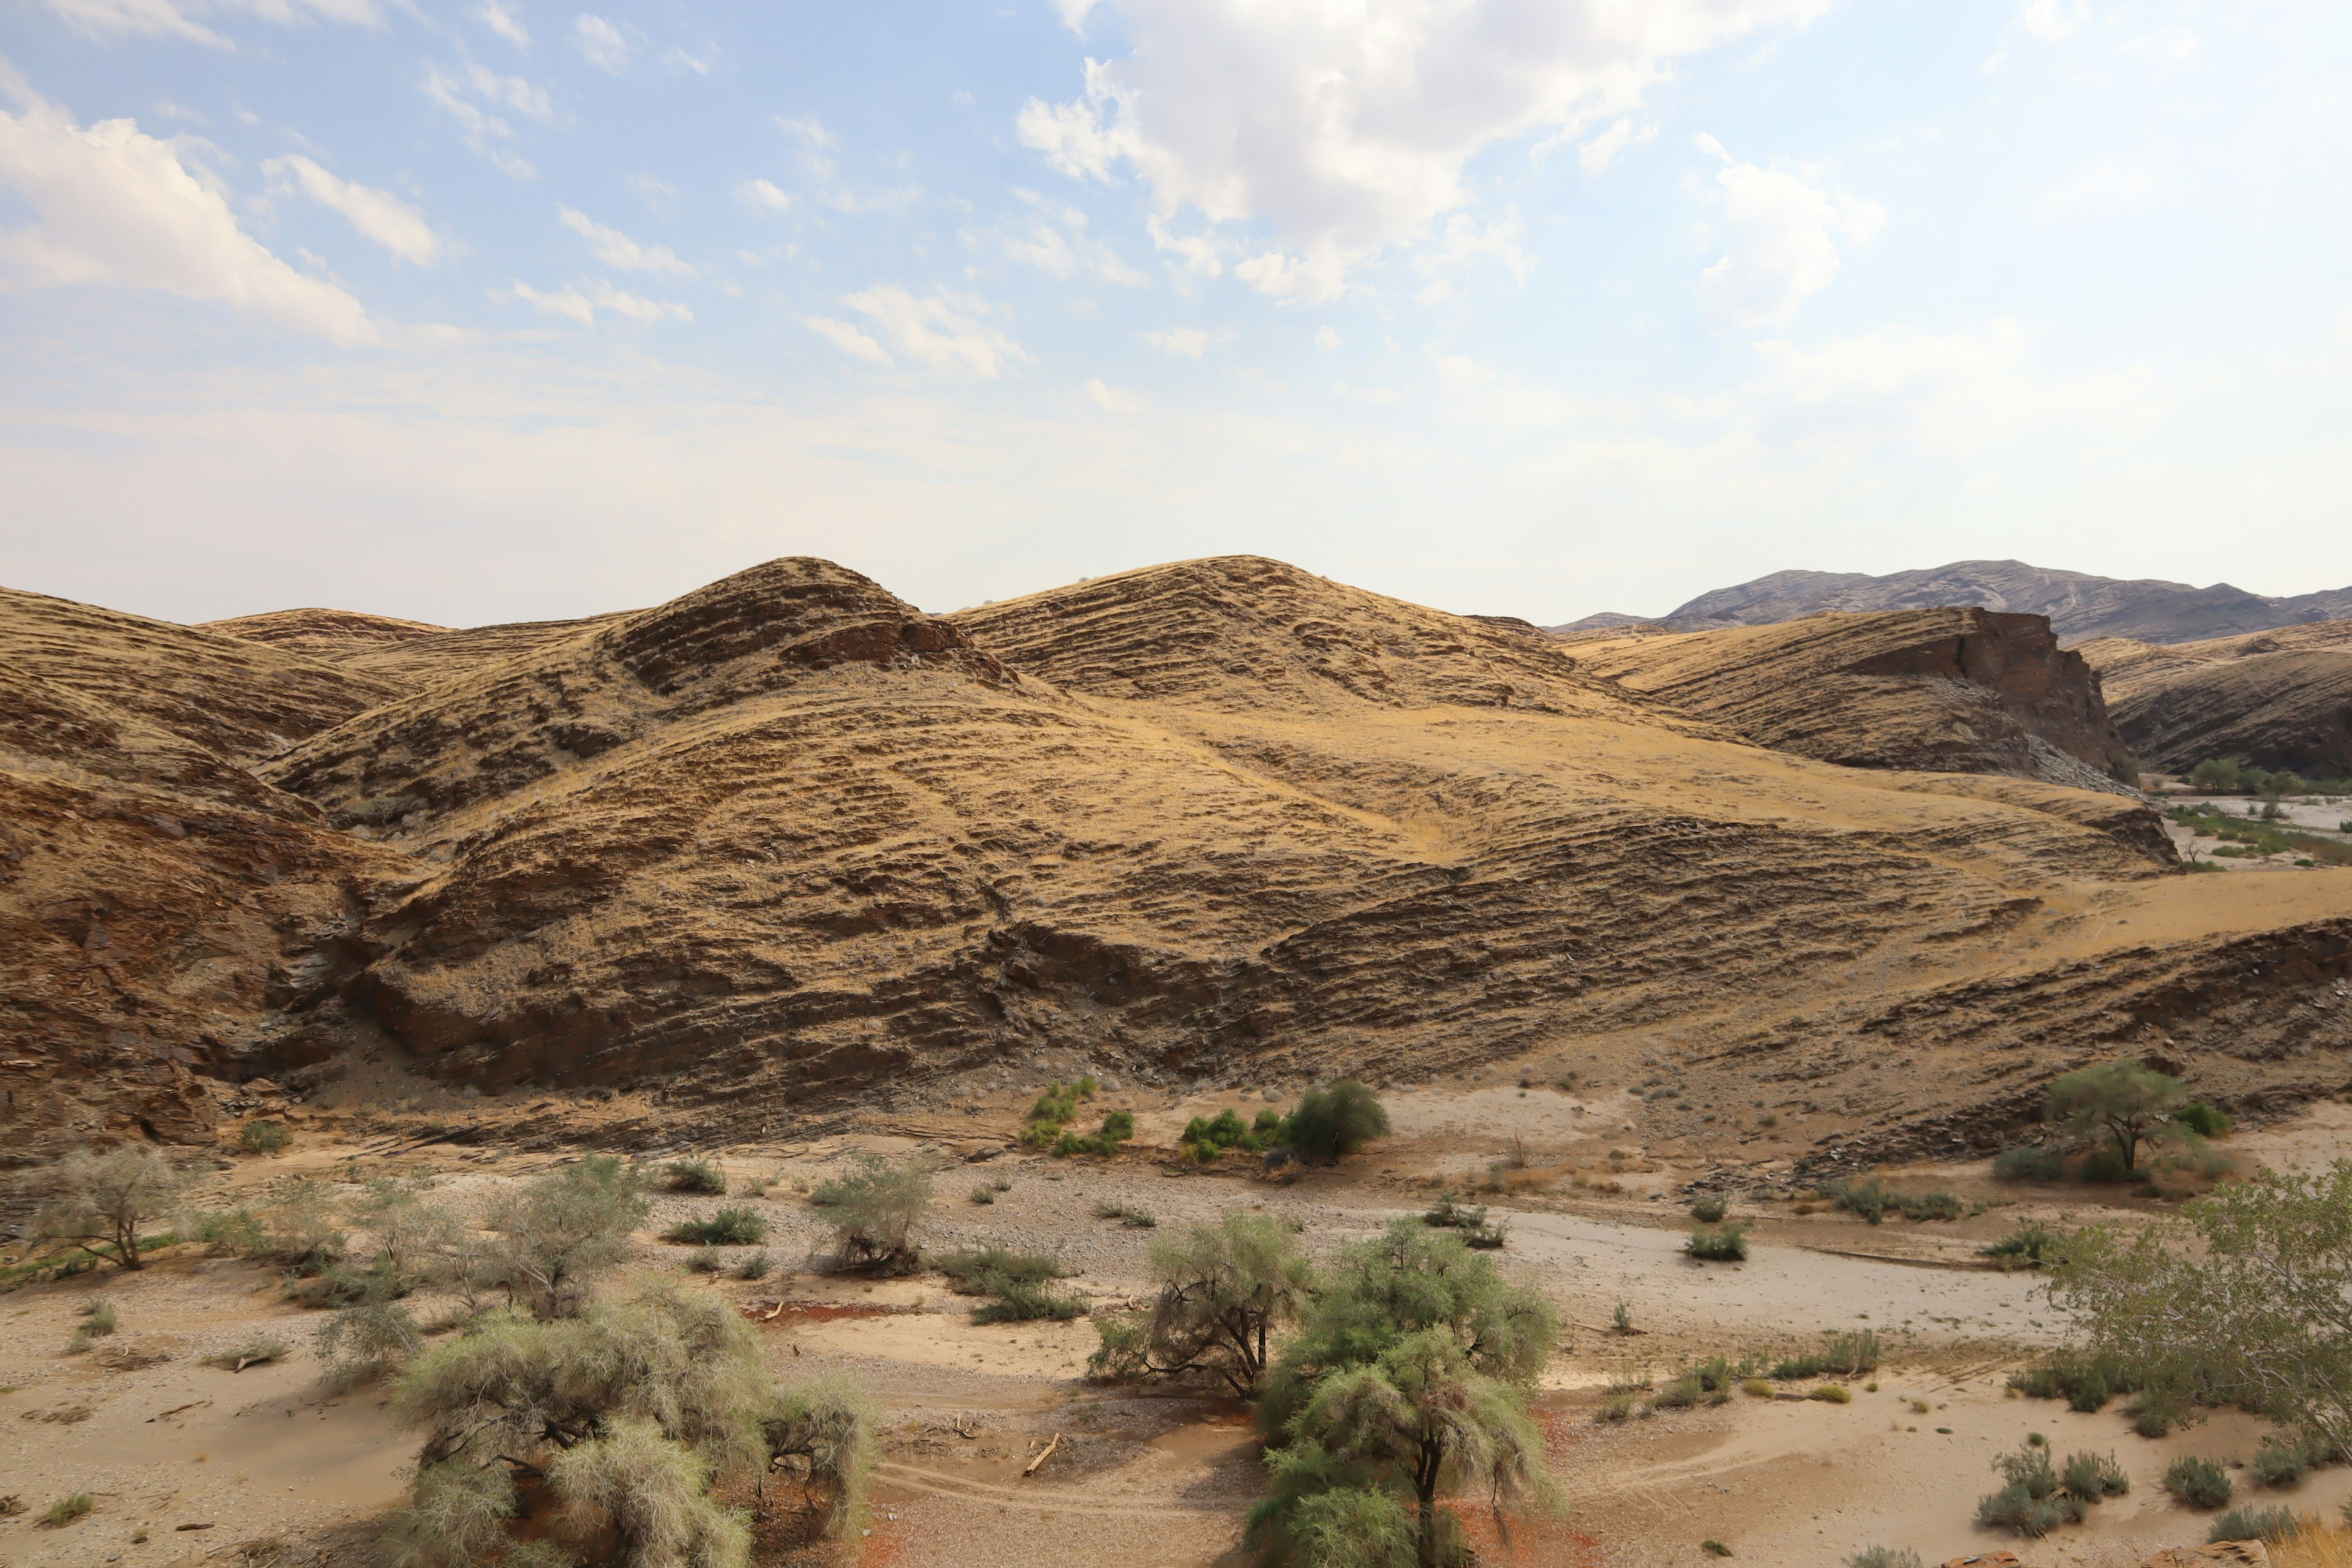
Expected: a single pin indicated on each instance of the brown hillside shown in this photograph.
(418, 662)
(1942, 690)
(334, 635)
(2277, 698)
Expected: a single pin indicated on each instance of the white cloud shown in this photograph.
(1326, 339)
(847, 339)
(614, 248)
(1782, 245)
(2054, 21)
(581, 302)
(1074, 12)
(703, 63)
(1466, 241)
(378, 215)
(939, 331)
(105, 19)
(602, 42)
(1344, 128)
(485, 130)
(1183, 342)
(114, 205)
(1597, 153)
(763, 197)
(1055, 242)
(501, 20)
(1110, 399)
(1956, 393)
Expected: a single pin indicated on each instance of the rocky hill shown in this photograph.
(2078, 605)
(787, 845)
(1941, 690)
(333, 635)
(2276, 699)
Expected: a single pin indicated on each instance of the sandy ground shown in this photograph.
(270, 1453)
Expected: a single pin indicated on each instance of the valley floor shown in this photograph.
(189, 1462)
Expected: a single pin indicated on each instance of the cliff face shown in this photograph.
(1940, 690)
(2280, 699)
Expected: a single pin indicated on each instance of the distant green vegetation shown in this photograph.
(2246, 837)
(2225, 775)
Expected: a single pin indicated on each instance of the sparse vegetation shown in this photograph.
(2029, 1245)
(259, 1351)
(1472, 1223)
(67, 1510)
(1054, 1110)
(1117, 1128)
(1722, 1244)
(98, 1320)
(2256, 1524)
(557, 1233)
(1206, 1137)
(1709, 1208)
(1846, 1353)
(2029, 1163)
(2086, 1382)
(1871, 1197)
(875, 1209)
(1884, 1557)
(1222, 1289)
(263, 1137)
(727, 1227)
(2122, 1102)
(2031, 1502)
(2280, 1461)
(1018, 1283)
(1335, 1122)
(2198, 1482)
(694, 1176)
(2202, 1120)
(104, 1199)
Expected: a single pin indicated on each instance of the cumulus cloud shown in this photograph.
(764, 196)
(942, 332)
(1781, 246)
(108, 19)
(614, 248)
(602, 42)
(1344, 129)
(113, 205)
(378, 215)
(1466, 241)
(478, 100)
(582, 302)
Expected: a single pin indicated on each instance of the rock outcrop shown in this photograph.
(1940, 690)
(2280, 699)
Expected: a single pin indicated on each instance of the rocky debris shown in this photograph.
(1940, 690)
(2279, 699)
(2077, 603)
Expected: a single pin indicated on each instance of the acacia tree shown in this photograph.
(2124, 1100)
(556, 1234)
(1408, 1377)
(2247, 1302)
(1222, 1289)
(112, 1197)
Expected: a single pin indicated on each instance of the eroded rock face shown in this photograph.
(1941, 690)
(2280, 699)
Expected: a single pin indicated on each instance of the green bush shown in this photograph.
(1117, 1129)
(1053, 1110)
(1724, 1243)
(1884, 1557)
(2267, 1524)
(2086, 1382)
(98, 1320)
(2196, 1482)
(694, 1176)
(2280, 1462)
(1847, 1353)
(2094, 1477)
(705, 1260)
(2029, 1245)
(1222, 1289)
(1017, 1282)
(67, 1510)
(1335, 1122)
(555, 1235)
(1871, 1197)
(1015, 1302)
(756, 1265)
(727, 1227)
(2029, 1163)
(263, 1137)
(875, 1210)
(2032, 1500)
(2202, 1120)
(1206, 1137)
(1710, 1208)
(983, 1195)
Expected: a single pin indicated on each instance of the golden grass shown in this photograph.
(2316, 1545)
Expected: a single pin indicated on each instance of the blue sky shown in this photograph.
(503, 309)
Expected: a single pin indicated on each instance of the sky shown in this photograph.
(503, 309)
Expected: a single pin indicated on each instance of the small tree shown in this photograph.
(1222, 1288)
(556, 1234)
(1409, 1375)
(1337, 1121)
(821, 1432)
(2243, 1304)
(112, 1196)
(875, 1209)
(2124, 1100)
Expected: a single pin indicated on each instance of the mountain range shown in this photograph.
(2079, 604)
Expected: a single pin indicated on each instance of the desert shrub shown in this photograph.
(2150, 1419)
(1884, 1557)
(98, 1320)
(1871, 1197)
(2280, 1462)
(1410, 1371)
(694, 1176)
(2104, 1167)
(983, 1195)
(67, 1510)
(2094, 1477)
(1833, 1394)
(2196, 1482)
(1709, 1208)
(1117, 1128)
(1206, 1137)
(1334, 1122)
(102, 1199)
(2031, 1500)
(2086, 1382)
(1679, 1394)
(652, 1493)
(263, 1137)
(822, 1435)
(556, 1234)
(875, 1211)
(727, 1227)
(1016, 1302)
(1222, 1289)
(705, 1260)
(2029, 1245)
(1847, 1353)
(1614, 1408)
(2029, 1163)
(1755, 1388)
(1053, 1110)
(2255, 1524)
(1620, 1318)
(456, 1516)
(2202, 1120)
(1018, 1283)
(259, 1350)
(236, 1230)
(753, 1266)
(1723, 1244)
(411, 1238)
(2123, 1103)
(369, 1338)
